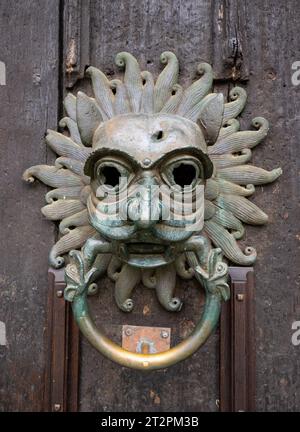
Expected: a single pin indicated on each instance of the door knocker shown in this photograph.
(152, 181)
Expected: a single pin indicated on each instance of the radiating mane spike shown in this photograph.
(172, 103)
(70, 106)
(232, 109)
(102, 91)
(67, 122)
(200, 88)
(147, 104)
(166, 80)
(121, 102)
(88, 117)
(132, 78)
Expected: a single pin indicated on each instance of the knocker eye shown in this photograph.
(111, 175)
(184, 173)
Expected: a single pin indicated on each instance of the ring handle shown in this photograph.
(156, 361)
(213, 279)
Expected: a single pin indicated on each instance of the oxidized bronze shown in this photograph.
(152, 182)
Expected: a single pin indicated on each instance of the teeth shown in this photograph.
(123, 251)
(170, 251)
(149, 248)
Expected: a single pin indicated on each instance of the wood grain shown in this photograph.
(273, 43)
(30, 48)
(29, 101)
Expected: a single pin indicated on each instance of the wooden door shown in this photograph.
(45, 47)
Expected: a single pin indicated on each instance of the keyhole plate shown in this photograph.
(134, 338)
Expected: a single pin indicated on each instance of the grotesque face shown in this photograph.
(147, 180)
(138, 212)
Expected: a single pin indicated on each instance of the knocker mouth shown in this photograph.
(137, 246)
(152, 246)
(145, 254)
(145, 248)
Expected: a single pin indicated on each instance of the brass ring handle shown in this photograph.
(161, 360)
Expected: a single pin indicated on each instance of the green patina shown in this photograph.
(152, 140)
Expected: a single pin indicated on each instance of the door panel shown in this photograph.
(31, 44)
(261, 39)
(29, 102)
(273, 43)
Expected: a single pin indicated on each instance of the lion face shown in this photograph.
(147, 185)
(128, 182)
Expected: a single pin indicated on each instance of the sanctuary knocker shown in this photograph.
(151, 183)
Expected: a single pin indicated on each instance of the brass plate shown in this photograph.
(147, 340)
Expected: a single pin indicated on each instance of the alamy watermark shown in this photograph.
(2, 73)
(296, 334)
(183, 206)
(296, 73)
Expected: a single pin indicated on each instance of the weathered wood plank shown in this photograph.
(274, 44)
(29, 48)
(76, 39)
(229, 41)
(29, 101)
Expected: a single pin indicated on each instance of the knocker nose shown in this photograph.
(144, 208)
